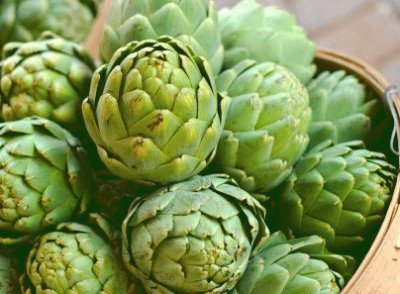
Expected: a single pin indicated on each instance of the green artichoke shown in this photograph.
(153, 112)
(193, 237)
(341, 111)
(266, 127)
(75, 259)
(339, 192)
(8, 277)
(26, 20)
(193, 22)
(48, 78)
(45, 178)
(291, 267)
(250, 31)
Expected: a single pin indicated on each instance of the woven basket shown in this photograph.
(379, 272)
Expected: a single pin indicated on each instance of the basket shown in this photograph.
(379, 272)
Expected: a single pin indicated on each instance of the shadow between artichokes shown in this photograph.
(153, 112)
(193, 237)
(266, 128)
(45, 178)
(76, 258)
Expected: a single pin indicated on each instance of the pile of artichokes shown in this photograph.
(204, 153)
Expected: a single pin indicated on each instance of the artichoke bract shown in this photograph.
(338, 192)
(251, 31)
(26, 20)
(48, 78)
(45, 178)
(192, 22)
(75, 258)
(8, 277)
(193, 237)
(290, 267)
(153, 112)
(266, 127)
(341, 109)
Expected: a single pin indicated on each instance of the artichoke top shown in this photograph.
(193, 237)
(342, 110)
(250, 31)
(266, 128)
(76, 258)
(153, 112)
(26, 20)
(45, 178)
(48, 77)
(291, 267)
(339, 192)
(192, 22)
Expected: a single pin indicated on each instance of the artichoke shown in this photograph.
(339, 192)
(193, 237)
(266, 127)
(75, 259)
(8, 277)
(153, 112)
(250, 31)
(341, 111)
(48, 78)
(193, 22)
(45, 178)
(26, 20)
(291, 267)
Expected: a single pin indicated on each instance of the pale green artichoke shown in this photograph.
(341, 109)
(8, 277)
(48, 78)
(266, 128)
(193, 22)
(26, 20)
(338, 192)
(45, 178)
(76, 259)
(291, 267)
(250, 31)
(153, 112)
(193, 237)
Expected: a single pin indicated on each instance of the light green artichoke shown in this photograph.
(250, 31)
(266, 128)
(193, 237)
(48, 78)
(77, 259)
(339, 192)
(8, 277)
(153, 112)
(341, 109)
(45, 178)
(26, 20)
(193, 22)
(291, 267)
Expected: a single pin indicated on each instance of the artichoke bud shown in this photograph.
(266, 127)
(154, 113)
(194, 236)
(339, 192)
(8, 276)
(45, 178)
(75, 258)
(47, 78)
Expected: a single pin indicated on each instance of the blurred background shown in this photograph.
(366, 29)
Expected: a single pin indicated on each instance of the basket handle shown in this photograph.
(392, 95)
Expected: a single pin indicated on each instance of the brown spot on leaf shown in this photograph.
(158, 119)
